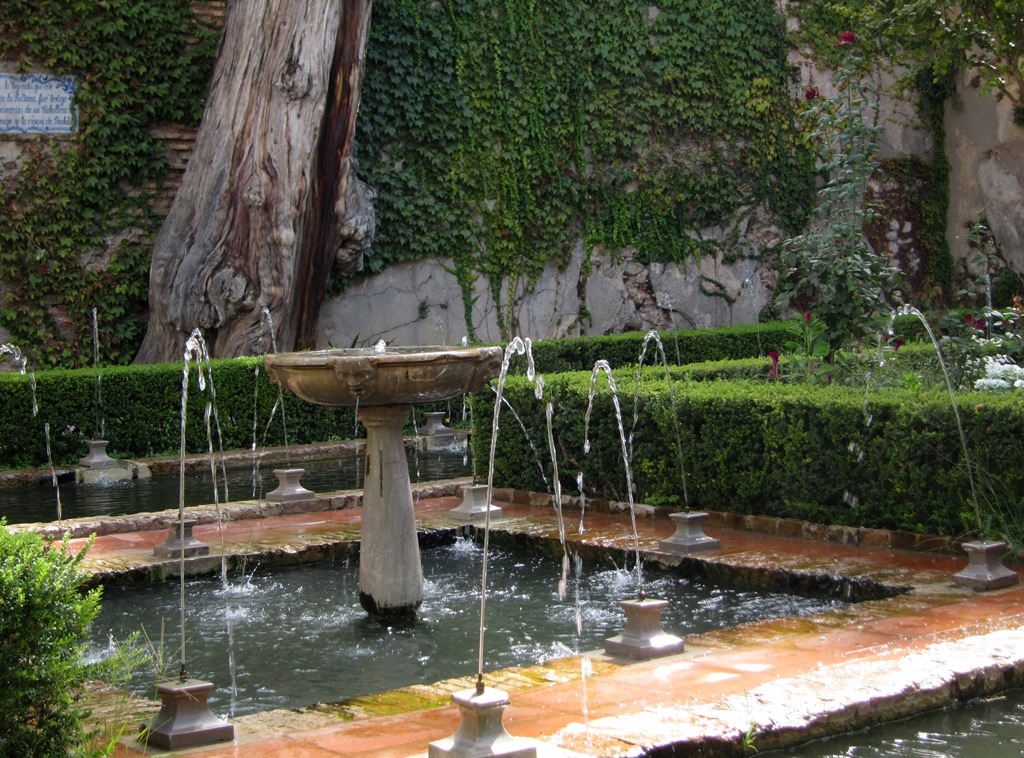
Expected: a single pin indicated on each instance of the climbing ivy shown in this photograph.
(73, 235)
(499, 133)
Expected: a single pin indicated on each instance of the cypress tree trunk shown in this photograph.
(270, 201)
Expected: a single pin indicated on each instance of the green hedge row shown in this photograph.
(682, 347)
(831, 455)
(140, 412)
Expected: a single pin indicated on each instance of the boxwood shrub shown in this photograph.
(830, 454)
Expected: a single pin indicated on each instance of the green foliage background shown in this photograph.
(500, 133)
(753, 447)
(136, 64)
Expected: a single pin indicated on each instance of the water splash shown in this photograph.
(602, 366)
(526, 435)
(563, 583)
(280, 394)
(53, 473)
(908, 310)
(652, 336)
(380, 347)
(17, 359)
(98, 429)
(664, 301)
(517, 346)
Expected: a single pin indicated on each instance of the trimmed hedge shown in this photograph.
(831, 455)
(140, 409)
(681, 347)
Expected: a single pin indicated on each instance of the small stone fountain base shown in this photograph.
(643, 637)
(475, 507)
(185, 719)
(985, 570)
(288, 488)
(180, 543)
(97, 456)
(481, 734)
(435, 435)
(689, 536)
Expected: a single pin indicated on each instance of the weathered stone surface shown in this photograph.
(828, 700)
(421, 302)
(1001, 183)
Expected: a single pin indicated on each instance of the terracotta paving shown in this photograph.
(863, 661)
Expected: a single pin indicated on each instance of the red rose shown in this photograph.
(810, 93)
(846, 38)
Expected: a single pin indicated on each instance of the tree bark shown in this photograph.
(269, 201)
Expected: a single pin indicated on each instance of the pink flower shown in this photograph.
(773, 371)
(846, 38)
(969, 320)
(807, 317)
(810, 93)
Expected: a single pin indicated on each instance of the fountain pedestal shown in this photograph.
(985, 570)
(185, 719)
(689, 536)
(97, 456)
(384, 384)
(435, 435)
(289, 489)
(643, 638)
(475, 506)
(390, 575)
(180, 542)
(481, 734)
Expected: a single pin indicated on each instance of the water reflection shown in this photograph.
(39, 502)
(987, 728)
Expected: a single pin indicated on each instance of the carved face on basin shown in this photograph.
(397, 376)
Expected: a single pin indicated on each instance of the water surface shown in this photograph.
(292, 637)
(39, 502)
(984, 728)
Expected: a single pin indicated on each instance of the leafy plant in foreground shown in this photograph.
(43, 623)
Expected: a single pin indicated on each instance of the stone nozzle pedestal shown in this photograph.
(689, 536)
(185, 719)
(474, 506)
(180, 542)
(985, 570)
(288, 488)
(97, 457)
(435, 435)
(481, 734)
(643, 637)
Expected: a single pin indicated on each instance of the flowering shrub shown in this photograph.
(1001, 375)
(832, 265)
(809, 350)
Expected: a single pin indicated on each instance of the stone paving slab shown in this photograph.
(916, 643)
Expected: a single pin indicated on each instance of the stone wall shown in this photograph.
(421, 302)
(986, 152)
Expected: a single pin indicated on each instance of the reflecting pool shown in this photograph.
(39, 502)
(292, 637)
(985, 728)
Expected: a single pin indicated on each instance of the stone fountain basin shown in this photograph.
(397, 376)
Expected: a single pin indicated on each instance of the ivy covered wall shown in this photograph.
(76, 225)
(499, 133)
